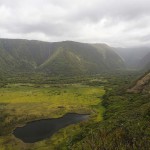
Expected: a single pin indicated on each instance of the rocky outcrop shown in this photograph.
(142, 85)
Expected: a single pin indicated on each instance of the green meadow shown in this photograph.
(21, 103)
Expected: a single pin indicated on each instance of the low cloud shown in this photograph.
(117, 23)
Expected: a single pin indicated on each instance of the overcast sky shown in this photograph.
(115, 22)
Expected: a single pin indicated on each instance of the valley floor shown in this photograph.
(22, 102)
(119, 120)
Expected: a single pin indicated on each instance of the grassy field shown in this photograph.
(20, 103)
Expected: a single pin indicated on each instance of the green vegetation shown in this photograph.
(23, 102)
(125, 125)
(47, 80)
(65, 58)
(119, 120)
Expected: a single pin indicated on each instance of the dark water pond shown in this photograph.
(41, 129)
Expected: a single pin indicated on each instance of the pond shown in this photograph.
(41, 129)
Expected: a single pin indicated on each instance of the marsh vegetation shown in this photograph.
(118, 120)
(24, 102)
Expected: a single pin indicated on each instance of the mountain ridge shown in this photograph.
(66, 57)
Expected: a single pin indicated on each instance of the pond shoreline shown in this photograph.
(41, 129)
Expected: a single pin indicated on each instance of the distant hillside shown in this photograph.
(145, 62)
(132, 56)
(66, 57)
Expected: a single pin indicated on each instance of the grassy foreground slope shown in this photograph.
(126, 123)
(20, 103)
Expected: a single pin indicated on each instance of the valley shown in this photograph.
(22, 102)
(42, 83)
(58, 58)
(74, 75)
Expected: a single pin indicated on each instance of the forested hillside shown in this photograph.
(57, 58)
